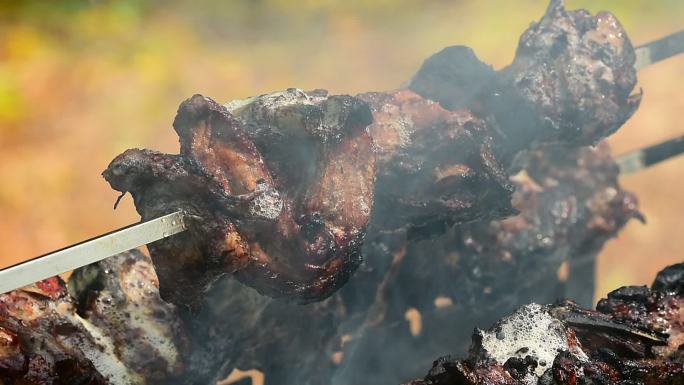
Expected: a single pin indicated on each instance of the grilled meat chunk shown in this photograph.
(39, 344)
(161, 183)
(634, 336)
(296, 232)
(570, 205)
(115, 330)
(571, 81)
(290, 223)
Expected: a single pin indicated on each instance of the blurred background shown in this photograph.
(81, 81)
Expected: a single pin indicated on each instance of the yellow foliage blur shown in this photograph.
(80, 81)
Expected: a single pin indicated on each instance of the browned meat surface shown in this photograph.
(633, 337)
(296, 232)
(39, 346)
(571, 80)
(115, 330)
(570, 205)
(574, 73)
(435, 166)
(119, 296)
(173, 182)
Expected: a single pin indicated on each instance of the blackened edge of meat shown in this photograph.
(571, 80)
(670, 279)
(454, 77)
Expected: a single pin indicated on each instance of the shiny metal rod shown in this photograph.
(90, 251)
(640, 159)
(659, 50)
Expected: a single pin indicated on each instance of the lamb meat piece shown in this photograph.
(38, 344)
(119, 296)
(570, 205)
(299, 242)
(634, 337)
(115, 331)
(435, 167)
(571, 81)
(160, 184)
(573, 74)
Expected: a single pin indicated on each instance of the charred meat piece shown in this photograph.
(633, 337)
(161, 183)
(39, 344)
(282, 185)
(570, 205)
(571, 81)
(574, 73)
(296, 232)
(116, 330)
(435, 167)
(119, 297)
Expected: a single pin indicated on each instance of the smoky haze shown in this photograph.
(404, 307)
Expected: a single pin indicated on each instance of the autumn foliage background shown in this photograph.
(81, 81)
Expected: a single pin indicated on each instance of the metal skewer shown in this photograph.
(90, 251)
(640, 159)
(659, 50)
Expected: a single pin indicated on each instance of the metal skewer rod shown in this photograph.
(637, 160)
(659, 50)
(90, 251)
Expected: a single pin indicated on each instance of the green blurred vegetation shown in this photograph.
(80, 81)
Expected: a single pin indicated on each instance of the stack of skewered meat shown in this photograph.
(287, 191)
(285, 186)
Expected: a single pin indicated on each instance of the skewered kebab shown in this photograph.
(270, 330)
(236, 204)
(633, 337)
(570, 204)
(292, 225)
(248, 222)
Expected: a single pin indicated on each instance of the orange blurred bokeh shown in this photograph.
(81, 81)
